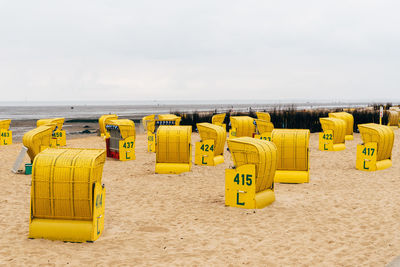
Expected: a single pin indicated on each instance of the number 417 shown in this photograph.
(368, 151)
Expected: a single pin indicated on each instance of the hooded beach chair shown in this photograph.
(333, 136)
(293, 155)
(393, 119)
(210, 150)
(59, 136)
(264, 129)
(263, 116)
(34, 142)
(218, 119)
(242, 126)
(173, 149)
(151, 124)
(121, 141)
(103, 122)
(38, 139)
(5, 133)
(376, 151)
(398, 111)
(250, 184)
(349, 119)
(67, 196)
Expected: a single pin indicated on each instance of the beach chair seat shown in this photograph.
(151, 124)
(264, 129)
(333, 136)
(210, 150)
(349, 119)
(103, 122)
(67, 197)
(173, 149)
(293, 155)
(121, 141)
(376, 151)
(5, 133)
(242, 126)
(250, 184)
(59, 136)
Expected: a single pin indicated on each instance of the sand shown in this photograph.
(343, 217)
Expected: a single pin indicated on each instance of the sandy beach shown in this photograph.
(343, 217)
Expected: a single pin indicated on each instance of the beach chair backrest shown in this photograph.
(244, 126)
(263, 116)
(347, 117)
(103, 121)
(393, 118)
(173, 144)
(63, 183)
(214, 132)
(35, 140)
(380, 134)
(218, 119)
(293, 149)
(264, 126)
(338, 126)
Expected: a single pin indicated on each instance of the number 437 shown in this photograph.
(128, 145)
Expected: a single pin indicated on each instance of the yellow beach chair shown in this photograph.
(38, 139)
(349, 119)
(103, 122)
(218, 119)
(5, 133)
(263, 116)
(67, 197)
(242, 126)
(121, 141)
(173, 149)
(333, 136)
(394, 117)
(210, 150)
(264, 129)
(293, 155)
(376, 151)
(250, 184)
(59, 136)
(151, 124)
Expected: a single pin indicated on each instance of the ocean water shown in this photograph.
(34, 111)
(25, 114)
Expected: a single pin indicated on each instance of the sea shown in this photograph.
(139, 109)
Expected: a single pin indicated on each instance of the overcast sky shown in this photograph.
(199, 50)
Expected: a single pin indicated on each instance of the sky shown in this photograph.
(206, 50)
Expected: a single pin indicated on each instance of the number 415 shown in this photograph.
(246, 178)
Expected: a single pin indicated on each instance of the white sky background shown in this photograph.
(199, 50)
